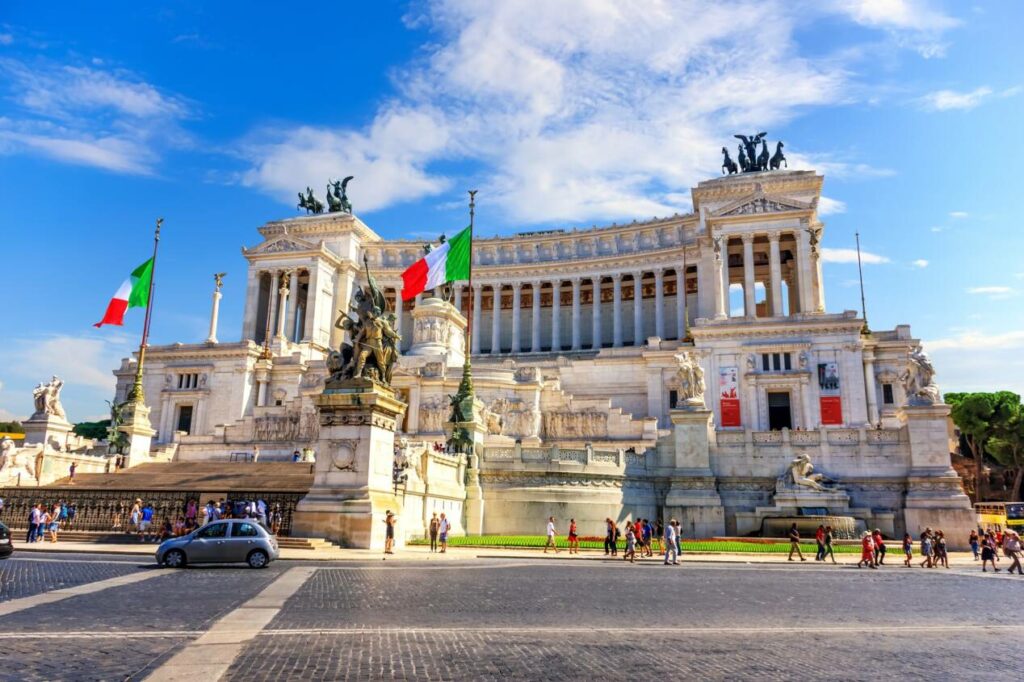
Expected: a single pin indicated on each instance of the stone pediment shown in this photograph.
(760, 203)
(283, 244)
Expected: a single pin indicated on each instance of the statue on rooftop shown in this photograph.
(919, 379)
(338, 200)
(47, 399)
(310, 202)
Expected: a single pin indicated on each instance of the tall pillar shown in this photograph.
(457, 298)
(803, 270)
(535, 318)
(659, 303)
(595, 342)
(869, 386)
(576, 321)
(282, 316)
(638, 309)
(617, 310)
(749, 299)
(721, 279)
(775, 265)
(517, 289)
(556, 312)
(477, 298)
(309, 324)
(272, 298)
(293, 309)
(214, 312)
(496, 319)
(681, 303)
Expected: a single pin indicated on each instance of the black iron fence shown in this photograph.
(109, 511)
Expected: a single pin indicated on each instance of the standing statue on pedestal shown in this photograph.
(374, 348)
(691, 380)
(337, 201)
(47, 399)
(919, 379)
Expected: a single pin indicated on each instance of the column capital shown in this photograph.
(576, 280)
(774, 235)
(659, 273)
(516, 286)
(637, 276)
(747, 239)
(616, 277)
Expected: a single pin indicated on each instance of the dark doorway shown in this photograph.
(779, 414)
(185, 419)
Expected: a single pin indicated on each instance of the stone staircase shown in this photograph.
(621, 425)
(200, 476)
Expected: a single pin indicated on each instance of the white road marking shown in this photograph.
(210, 656)
(15, 605)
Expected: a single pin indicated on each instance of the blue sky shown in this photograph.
(212, 115)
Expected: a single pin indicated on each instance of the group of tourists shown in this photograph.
(45, 522)
(439, 529)
(987, 546)
(141, 517)
(643, 539)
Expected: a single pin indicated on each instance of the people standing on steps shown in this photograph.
(794, 543)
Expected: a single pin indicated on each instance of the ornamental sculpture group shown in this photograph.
(337, 199)
(373, 350)
(750, 159)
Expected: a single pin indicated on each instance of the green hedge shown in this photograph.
(730, 546)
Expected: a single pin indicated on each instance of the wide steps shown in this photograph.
(200, 476)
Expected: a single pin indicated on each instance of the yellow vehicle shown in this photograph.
(1000, 515)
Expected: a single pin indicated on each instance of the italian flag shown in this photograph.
(448, 262)
(133, 293)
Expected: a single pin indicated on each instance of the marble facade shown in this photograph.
(574, 338)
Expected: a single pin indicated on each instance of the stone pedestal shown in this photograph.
(438, 330)
(474, 506)
(935, 496)
(352, 484)
(137, 427)
(48, 430)
(692, 498)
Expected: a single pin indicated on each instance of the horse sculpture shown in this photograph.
(744, 161)
(728, 165)
(338, 200)
(310, 202)
(762, 158)
(778, 157)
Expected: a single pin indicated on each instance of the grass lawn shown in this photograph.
(752, 546)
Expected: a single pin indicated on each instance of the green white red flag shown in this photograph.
(133, 293)
(448, 262)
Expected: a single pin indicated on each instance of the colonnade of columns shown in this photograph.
(762, 260)
(282, 302)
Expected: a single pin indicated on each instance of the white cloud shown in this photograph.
(945, 100)
(938, 229)
(572, 111)
(993, 292)
(918, 24)
(85, 363)
(920, 263)
(829, 206)
(850, 256)
(959, 215)
(89, 116)
(972, 360)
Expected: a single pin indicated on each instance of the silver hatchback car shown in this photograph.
(221, 542)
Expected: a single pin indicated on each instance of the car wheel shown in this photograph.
(174, 559)
(258, 559)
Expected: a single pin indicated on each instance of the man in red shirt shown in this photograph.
(819, 537)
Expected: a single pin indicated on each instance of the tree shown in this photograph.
(981, 417)
(1007, 448)
(95, 430)
(11, 427)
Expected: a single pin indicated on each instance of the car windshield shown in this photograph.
(212, 530)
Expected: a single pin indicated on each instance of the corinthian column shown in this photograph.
(680, 303)
(496, 320)
(477, 298)
(595, 342)
(283, 314)
(576, 315)
(869, 385)
(617, 310)
(659, 303)
(638, 309)
(535, 318)
(516, 302)
(775, 265)
(215, 311)
(749, 300)
(556, 311)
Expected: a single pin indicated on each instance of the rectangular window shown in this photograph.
(787, 362)
(776, 362)
(765, 362)
(673, 399)
(887, 394)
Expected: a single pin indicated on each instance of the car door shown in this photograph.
(244, 538)
(209, 543)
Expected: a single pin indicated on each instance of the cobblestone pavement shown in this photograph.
(495, 619)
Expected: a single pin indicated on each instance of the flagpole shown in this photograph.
(469, 307)
(860, 273)
(136, 394)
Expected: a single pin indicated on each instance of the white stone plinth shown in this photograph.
(692, 498)
(352, 484)
(140, 433)
(438, 330)
(48, 430)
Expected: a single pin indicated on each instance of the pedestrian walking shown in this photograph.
(657, 535)
(551, 536)
(389, 532)
(972, 540)
(879, 541)
(679, 540)
(794, 543)
(71, 473)
(136, 515)
(908, 550)
(1012, 547)
(574, 540)
(819, 539)
(648, 531)
(867, 551)
(610, 530)
(630, 553)
(926, 549)
(34, 516)
(435, 525)
(255, 453)
(145, 522)
(829, 537)
(988, 552)
(671, 555)
(941, 555)
(442, 530)
(72, 512)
